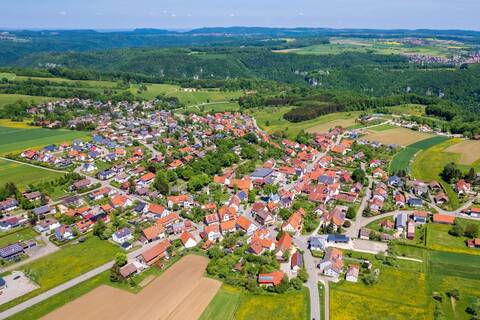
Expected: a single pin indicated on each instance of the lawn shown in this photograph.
(214, 107)
(16, 140)
(439, 239)
(66, 264)
(24, 175)
(401, 161)
(13, 236)
(410, 109)
(321, 296)
(383, 127)
(234, 303)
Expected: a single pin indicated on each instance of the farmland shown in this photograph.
(398, 136)
(401, 161)
(271, 120)
(469, 151)
(173, 291)
(378, 301)
(232, 303)
(23, 175)
(11, 98)
(16, 140)
(66, 264)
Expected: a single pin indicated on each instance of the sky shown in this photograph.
(188, 14)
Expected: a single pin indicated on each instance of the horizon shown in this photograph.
(185, 15)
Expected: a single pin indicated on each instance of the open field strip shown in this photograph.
(181, 288)
(233, 303)
(23, 175)
(397, 136)
(11, 98)
(469, 151)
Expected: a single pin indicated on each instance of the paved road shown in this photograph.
(312, 283)
(39, 252)
(33, 165)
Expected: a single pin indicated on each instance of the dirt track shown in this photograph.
(180, 293)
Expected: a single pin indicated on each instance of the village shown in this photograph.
(159, 184)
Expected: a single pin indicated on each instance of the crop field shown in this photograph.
(16, 140)
(382, 300)
(65, 264)
(180, 293)
(439, 239)
(24, 175)
(410, 109)
(271, 120)
(326, 126)
(398, 136)
(402, 160)
(469, 151)
(378, 46)
(382, 127)
(233, 303)
(7, 238)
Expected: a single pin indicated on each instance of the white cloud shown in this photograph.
(231, 15)
(63, 13)
(173, 15)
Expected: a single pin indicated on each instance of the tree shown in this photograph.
(252, 194)
(330, 227)
(303, 275)
(99, 229)
(351, 213)
(471, 230)
(121, 259)
(451, 173)
(283, 286)
(456, 230)
(471, 176)
(161, 183)
(358, 175)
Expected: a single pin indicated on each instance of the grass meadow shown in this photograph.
(439, 239)
(234, 303)
(65, 264)
(23, 234)
(23, 175)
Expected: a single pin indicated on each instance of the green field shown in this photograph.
(214, 107)
(271, 120)
(66, 264)
(11, 98)
(16, 140)
(23, 234)
(234, 303)
(383, 127)
(23, 175)
(439, 239)
(382, 300)
(409, 109)
(379, 46)
(401, 161)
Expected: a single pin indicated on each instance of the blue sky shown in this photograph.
(185, 14)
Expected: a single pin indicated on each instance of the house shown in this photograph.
(101, 193)
(43, 210)
(296, 262)
(270, 279)
(155, 253)
(415, 202)
(184, 201)
(284, 245)
(212, 232)
(33, 196)
(64, 233)
(152, 233)
(410, 230)
(294, 223)
(264, 218)
(473, 243)
(245, 225)
(120, 201)
(8, 205)
(399, 199)
(227, 227)
(261, 174)
(188, 240)
(11, 251)
(49, 224)
(443, 219)
(401, 221)
(9, 223)
(332, 263)
(156, 210)
(122, 235)
(440, 198)
(352, 273)
(82, 184)
(387, 224)
(474, 212)
(420, 216)
(364, 233)
(128, 270)
(462, 187)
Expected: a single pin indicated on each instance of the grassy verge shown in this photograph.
(321, 295)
